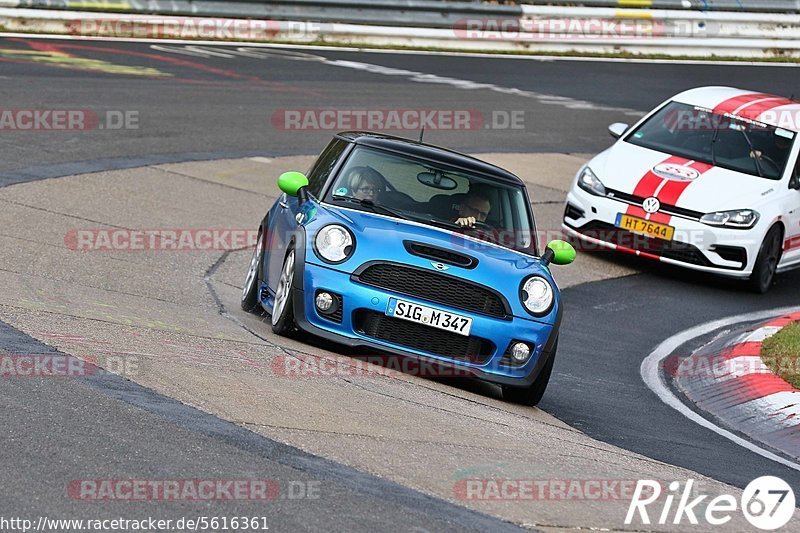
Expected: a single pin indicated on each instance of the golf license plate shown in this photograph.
(422, 314)
(645, 227)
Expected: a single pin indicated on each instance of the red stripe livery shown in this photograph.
(751, 106)
(669, 193)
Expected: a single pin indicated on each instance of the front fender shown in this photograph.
(299, 244)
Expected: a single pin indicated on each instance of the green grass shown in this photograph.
(781, 353)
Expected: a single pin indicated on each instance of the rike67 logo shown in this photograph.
(767, 503)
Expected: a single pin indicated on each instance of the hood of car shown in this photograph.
(383, 238)
(696, 186)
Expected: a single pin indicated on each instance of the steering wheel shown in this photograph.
(475, 225)
(481, 225)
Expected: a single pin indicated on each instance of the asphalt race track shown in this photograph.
(204, 103)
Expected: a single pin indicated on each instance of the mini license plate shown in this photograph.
(645, 227)
(422, 314)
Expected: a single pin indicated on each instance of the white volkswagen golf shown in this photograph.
(709, 180)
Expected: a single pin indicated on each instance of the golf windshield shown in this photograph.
(729, 142)
(391, 184)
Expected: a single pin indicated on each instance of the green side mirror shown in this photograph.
(292, 182)
(559, 253)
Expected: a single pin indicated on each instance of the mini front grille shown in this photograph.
(427, 339)
(434, 287)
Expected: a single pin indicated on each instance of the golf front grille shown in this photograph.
(678, 251)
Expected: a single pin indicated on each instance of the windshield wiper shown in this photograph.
(377, 208)
(714, 140)
(753, 153)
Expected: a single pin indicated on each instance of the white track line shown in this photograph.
(652, 377)
(529, 57)
(411, 75)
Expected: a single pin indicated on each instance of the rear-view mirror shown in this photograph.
(437, 180)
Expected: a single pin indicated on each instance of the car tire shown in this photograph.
(252, 282)
(767, 261)
(283, 309)
(532, 394)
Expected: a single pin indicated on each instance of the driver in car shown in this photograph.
(365, 183)
(474, 209)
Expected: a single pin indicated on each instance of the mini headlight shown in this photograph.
(740, 219)
(334, 243)
(589, 182)
(536, 294)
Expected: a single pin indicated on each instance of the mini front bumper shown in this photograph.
(721, 251)
(358, 297)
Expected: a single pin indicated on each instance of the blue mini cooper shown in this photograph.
(414, 250)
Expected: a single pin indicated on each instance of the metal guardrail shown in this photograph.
(753, 6)
(614, 23)
(464, 26)
(417, 13)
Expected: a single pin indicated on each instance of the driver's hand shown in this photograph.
(466, 221)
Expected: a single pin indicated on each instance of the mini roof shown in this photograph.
(430, 152)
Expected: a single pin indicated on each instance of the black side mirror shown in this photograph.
(302, 195)
(794, 181)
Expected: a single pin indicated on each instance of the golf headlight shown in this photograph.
(536, 294)
(741, 219)
(589, 182)
(334, 243)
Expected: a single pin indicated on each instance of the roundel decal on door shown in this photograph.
(674, 172)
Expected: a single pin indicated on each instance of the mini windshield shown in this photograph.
(421, 191)
(729, 142)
